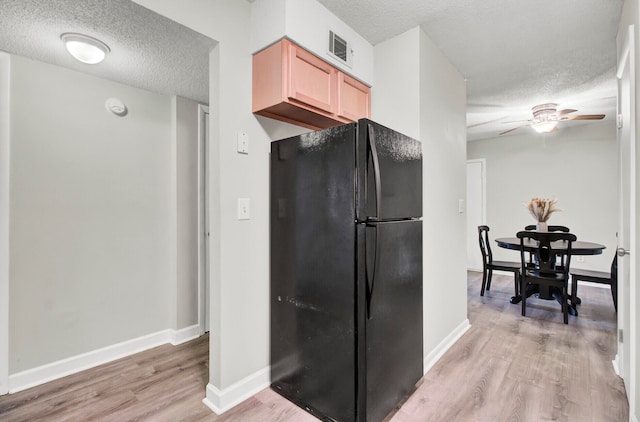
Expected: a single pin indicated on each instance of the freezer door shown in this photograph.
(313, 242)
(389, 173)
(390, 280)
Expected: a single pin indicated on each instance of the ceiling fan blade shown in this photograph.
(511, 130)
(485, 123)
(566, 111)
(585, 117)
(517, 121)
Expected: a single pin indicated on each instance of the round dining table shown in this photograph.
(578, 247)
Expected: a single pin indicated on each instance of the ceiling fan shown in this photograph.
(546, 118)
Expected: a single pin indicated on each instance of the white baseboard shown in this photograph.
(54, 370)
(445, 345)
(222, 400)
(184, 335)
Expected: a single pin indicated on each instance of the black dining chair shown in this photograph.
(545, 274)
(563, 229)
(610, 278)
(488, 264)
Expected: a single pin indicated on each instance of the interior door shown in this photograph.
(627, 301)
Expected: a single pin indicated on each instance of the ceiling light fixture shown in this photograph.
(85, 48)
(545, 126)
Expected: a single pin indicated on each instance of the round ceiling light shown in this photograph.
(545, 126)
(85, 48)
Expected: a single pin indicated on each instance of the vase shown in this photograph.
(541, 226)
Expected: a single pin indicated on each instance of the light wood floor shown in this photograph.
(505, 368)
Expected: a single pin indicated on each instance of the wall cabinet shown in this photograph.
(293, 85)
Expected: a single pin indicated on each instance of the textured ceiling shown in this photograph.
(148, 50)
(514, 54)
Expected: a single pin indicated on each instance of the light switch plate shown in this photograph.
(243, 143)
(461, 206)
(244, 208)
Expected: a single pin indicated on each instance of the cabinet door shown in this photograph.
(354, 98)
(311, 80)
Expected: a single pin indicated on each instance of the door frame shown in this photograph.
(627, 313)
(483, 205)
(4, 219)
(203, 219)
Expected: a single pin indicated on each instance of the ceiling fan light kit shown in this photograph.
(544, 127)
(84, 48)
(546, 118)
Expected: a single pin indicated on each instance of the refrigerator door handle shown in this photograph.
(370, 280)
(376, 169)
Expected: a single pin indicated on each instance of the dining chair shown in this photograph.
(563, 229)
(488, 264)
(610, 278)
(550, 228)
(545, 274)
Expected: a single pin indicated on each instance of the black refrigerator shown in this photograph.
(346, 270)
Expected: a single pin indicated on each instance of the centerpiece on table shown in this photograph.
(541, 209)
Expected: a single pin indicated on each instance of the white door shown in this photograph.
(627, 300)
(203, 219)
(475, 211)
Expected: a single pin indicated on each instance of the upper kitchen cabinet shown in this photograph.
(293, 85)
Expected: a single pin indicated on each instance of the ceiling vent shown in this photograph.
(340, 49)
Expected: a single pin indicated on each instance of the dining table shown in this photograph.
(579, 247)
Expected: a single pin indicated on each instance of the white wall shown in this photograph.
(90, 201)
(307, 22)
(418, 92)
(443, 96)
(395, 99)
(577, 165)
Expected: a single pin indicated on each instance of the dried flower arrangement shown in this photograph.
(542, 208)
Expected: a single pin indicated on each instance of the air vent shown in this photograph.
(340, 49)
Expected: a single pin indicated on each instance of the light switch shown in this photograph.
(461, 206)
(243, 143)
(244, 208)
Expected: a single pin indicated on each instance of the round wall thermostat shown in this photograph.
(116, 106)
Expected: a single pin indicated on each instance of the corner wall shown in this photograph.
(418, 92)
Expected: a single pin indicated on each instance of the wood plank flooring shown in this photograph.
(505, 368)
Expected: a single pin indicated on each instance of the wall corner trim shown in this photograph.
(71, 365)
(219, 401)
(445, 345)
